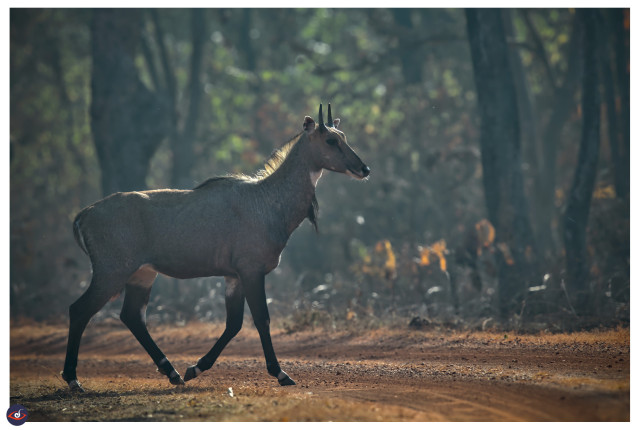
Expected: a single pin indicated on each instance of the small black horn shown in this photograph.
(329, 118)
(320, 117)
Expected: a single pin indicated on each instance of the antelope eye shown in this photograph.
(332, 141)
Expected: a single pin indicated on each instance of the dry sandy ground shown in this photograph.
(377, 375)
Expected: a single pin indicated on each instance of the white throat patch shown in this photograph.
(315, 176)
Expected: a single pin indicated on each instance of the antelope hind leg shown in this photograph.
(133, 315)
(102, 288)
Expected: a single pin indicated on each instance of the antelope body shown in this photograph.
(234, 227)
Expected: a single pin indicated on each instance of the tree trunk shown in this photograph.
(250, 57)
(613, 126)
(411, 63)
(552, 136)
(622, 43)
(501, 161)
(579, 201)
(532, 152)
(182, 146)
(128, 122)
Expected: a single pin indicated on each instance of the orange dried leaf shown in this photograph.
(439, 247)
(607, 192)
(433, 252)
(486, 232)
(506, 252)
(424, 256)
(380, 246)
(390, 264)
(443, 264)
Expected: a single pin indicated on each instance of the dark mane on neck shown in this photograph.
(272, 164)
(216, 180)
(276, 159)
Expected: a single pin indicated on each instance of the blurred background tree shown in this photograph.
(437, 102)
(507, 206)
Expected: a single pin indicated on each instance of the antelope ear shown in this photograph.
(336, 122)
(309, 125)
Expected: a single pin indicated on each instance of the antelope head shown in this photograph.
(329, 147)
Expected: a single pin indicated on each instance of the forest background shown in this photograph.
(498, 141)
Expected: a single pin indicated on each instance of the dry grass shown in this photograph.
(619, 336)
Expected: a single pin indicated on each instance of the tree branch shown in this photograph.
(183, 157)
(148, 58)
(539, 47)
(164, 56)
(198, 31)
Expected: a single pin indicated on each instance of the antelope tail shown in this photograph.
(78, 234)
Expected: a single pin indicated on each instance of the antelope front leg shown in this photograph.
(234, 302)
(257, 300)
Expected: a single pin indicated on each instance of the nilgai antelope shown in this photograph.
(231, 226)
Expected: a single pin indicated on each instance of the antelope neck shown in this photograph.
(292, 186)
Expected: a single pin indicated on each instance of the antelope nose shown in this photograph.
(365, 171)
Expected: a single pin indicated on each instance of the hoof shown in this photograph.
(176, 379)
(165, 368)
(283, 379)
(73, 384)
(286, 381)
(191, 373)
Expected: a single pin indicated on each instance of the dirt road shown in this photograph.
(379, 375)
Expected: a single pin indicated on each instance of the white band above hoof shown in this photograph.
(75, 385)
(282, 375)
